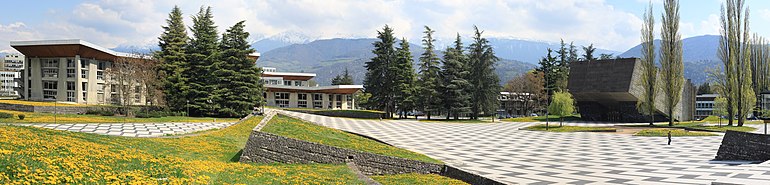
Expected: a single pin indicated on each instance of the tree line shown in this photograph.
(461, 82)
(204, 73)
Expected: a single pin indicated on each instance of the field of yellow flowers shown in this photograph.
(32, 117)
(31, 155)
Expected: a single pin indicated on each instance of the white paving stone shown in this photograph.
(134, 129)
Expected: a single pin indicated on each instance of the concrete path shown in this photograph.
(134, 129)
(501, 151)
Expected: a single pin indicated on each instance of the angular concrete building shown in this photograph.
(608, 90)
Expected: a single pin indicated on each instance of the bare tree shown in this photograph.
(123, 76)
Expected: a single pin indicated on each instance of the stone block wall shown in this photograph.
(267, 148)
(52, 109)
(744, 146)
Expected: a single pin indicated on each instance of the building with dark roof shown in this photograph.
(608, 90)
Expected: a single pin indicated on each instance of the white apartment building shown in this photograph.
(292, 90)
(10, 74)
(13, 62)
(69, 71)
(704, 105)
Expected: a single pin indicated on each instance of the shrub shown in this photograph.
(5, 115)
(101, 112)
(22, 116)
(152, 114)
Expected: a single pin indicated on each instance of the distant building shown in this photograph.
(704, 105)
(10, 74)
(515, 104)
(70, 71)
(764, 101)
(13, 62)
(608, 90)
(292, 90)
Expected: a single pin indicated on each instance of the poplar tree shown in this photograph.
(202, 53)
(671, 67)
(378, 80)
(735, 53)
(453, 75)
(646, 105)
(404, 79)
(429, 82)
(173, 60)
(239, 89)
(485, 84)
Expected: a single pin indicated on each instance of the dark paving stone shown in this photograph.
(615, 172)
(581, 182)
(741, 175)
(618, 181)
(656, 179)
(689, 176)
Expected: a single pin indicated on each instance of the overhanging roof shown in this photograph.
(334, 89)
(67, 48)
(289, 76)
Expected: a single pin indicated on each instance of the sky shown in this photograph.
(608, 24)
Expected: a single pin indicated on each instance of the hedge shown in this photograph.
(365, 114)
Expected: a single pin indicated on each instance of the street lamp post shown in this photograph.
(55, 104)
(188, 108)
(547, 99)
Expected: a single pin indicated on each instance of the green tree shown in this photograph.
(453, 75)
(605, 56)
(344, 79)
(173, 60)
(239, 89)
(552, 73)
(429, 83)
(379, 77)
(704, 88)
(404, 79)
(735, 53)
(485, 84)
(588, 53)
(646, 105)
(202, 52)
(562, 105)
(671, 67)
(720, 108)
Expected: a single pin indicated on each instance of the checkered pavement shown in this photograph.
(503, 152)
(134, 129)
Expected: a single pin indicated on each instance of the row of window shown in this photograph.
(282, 100)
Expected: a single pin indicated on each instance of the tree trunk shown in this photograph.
(671, 116)
(427, 113)
(561, 119)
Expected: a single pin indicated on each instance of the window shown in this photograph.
(70, 73)
(282, 99)
(302, 96)
(70, 63)
(50, 63)
(50, 85)
(297, 83)
(302, 100)
(70, 96)
(100, 75)
(100, 97)
(317, 97)
(113, 88)
(84, 74)
(70, 86)
(84, 86)
(84, 64)
(49, 94)
(138, 89)
(50, 73)
(287, 83)
(302, 104)
(137, 98)
(100, 88)
(101, 65)
(273, 82)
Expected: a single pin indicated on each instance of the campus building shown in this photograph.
(71, 71)
(12, 62)
(10, 74)
(704, 105)
(514, 104)
(293, 90)
(608, 90)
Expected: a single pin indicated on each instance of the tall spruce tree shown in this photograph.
(453, 75)
(484, 81)
(550, 69)
(404, 79)
(173, 60)
(429, 81)
(379, 77)
(671, 67)
(202, 53)
(649, 71)
(239, 89)
(343, 79)
(588, 53)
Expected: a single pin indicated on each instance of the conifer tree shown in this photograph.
(588, 53)
(483, 79)
(671, 67)
(404, 79)
(239, 89)
(344, 79)
(429, 82)
(202, 53)
(454, 74)
(379, 80)
(173, 60)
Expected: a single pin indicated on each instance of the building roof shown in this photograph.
(333, 89)
(289, 76)
(68, 48)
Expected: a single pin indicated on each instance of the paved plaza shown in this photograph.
(135, 129)
(503, 152)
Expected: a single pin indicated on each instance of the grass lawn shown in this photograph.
(557, 128)
(298, 129)
(552, 118)
(697, 125)
(38, 156)
(33, 117)
(40, 103)
(663, 132)
(412, 178)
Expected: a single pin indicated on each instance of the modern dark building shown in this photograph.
(608, 90)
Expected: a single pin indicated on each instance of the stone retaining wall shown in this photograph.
(52, 109)
(744, 146)
(268, 148)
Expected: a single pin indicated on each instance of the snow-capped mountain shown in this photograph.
(281, 40)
